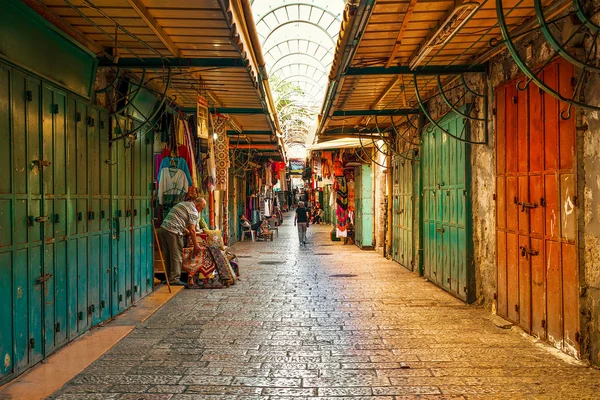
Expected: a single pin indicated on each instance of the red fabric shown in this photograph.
(184, 153)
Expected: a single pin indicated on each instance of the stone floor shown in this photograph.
(290, 329)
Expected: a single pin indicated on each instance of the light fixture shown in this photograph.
(450, 27)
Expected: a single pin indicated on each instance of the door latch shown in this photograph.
(525, 252)
(525, 205)
(43, 278)
(56, 218)
(42, 163)
(91, 215)
(42, 219)
(441, 230)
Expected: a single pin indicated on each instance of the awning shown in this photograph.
(346, 143)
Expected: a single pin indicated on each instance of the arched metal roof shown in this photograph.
(299, 38)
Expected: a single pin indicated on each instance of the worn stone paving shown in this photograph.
(291, 330)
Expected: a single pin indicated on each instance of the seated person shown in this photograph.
(246, 225)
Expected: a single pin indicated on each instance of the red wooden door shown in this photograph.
(536, 204)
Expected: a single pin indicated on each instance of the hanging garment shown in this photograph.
(172, 185)
(212, 168)
(342, 207)
(179, 163)
(221, 149)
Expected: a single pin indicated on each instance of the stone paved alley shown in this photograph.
(291, 329)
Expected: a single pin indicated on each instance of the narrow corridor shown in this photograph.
(327, 321)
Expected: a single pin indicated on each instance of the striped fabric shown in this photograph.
(180, 217)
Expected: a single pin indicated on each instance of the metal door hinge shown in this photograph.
(517, 307)
(91, 309)
(31, 220)
(542, 202)
(135, 289)
(120, 297)
(43, 278)
(147, 211)
(128, 213)
(42, 219)
(91, 215)
(54, 108)
(135, 212)
(90, 121)
(495, 296)
(102, 214)
(56, 218)
(448, 280)
(147, 281)
(57, 327)
(29, 95)
(101, 124)
(514, 99)
(494, 196)
(574, 200)
(441, 230)
(41, 163)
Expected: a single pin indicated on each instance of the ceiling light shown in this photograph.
(450, 27)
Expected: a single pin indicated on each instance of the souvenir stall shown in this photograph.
(192, 160)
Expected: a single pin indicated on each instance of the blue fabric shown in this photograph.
(179, 163)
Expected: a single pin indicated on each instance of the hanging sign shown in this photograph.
(202, 117)
(296, 166)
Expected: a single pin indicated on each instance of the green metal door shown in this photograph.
(364, 207)
(121, 225)
(403, 207)
(446, 209)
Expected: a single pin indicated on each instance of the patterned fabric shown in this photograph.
(221, 154)
(180, 217)
(214, 238)
(223, 268)
(202, 264)
(342, 206)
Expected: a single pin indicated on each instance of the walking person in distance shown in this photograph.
(301, 218)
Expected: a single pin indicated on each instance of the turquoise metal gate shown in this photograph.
(403, 208)
(59, 263)
(446, 221)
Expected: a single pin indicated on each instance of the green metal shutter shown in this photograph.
(446, 221)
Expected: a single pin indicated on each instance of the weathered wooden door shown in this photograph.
(536, 225)
(403, 206)
(446, 221)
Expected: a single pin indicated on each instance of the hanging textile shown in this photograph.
(221, 145)
(172, 186)
(192, 162)
(177, 162)
(342, 206)
(202, 118)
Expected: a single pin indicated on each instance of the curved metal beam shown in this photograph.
(328, 50)
(301, 21)
(322, 80)
(311, 82)
(298, 3)
(324, 67)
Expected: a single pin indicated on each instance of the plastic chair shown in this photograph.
(252, 235)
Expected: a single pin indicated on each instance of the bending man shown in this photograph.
(182, 219)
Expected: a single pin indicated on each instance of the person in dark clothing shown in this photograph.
(301, 219)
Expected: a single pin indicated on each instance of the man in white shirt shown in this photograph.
(182, 219)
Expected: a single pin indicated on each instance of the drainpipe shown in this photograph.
(349, 42)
